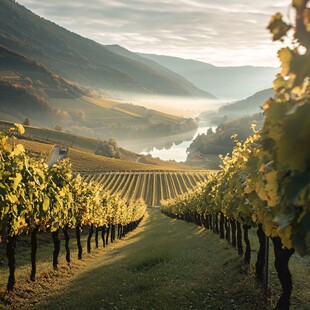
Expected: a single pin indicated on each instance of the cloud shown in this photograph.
(217, 31)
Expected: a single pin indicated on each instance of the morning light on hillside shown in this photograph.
(154, 154)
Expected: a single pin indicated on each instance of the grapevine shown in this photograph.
(36, 198)
(265, 182)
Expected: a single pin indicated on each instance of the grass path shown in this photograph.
(164, 264)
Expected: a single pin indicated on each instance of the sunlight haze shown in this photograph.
(223, 33)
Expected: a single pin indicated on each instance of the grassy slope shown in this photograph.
(87, 162)
(82, 153)
(83, 161)
(111, 110)
(164, 264)
(29, 89)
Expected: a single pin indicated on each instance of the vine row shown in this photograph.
(34, 197)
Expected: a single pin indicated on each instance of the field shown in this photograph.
(111, 111)
(49, 136)
(86, 162)
(151, 186)
(39, 142)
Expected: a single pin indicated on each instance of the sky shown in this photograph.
(220, 32)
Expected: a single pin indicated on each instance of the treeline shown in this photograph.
(220, 142)
(148, 128)
(34, 197)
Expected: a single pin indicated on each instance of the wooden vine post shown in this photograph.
(56, 241)
(34, 247)
(266, 265)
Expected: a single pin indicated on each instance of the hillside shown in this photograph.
(30, 90)
(237, 109)
(17, 102)
(249, 105)
(206, 148)
(26, 87)
(223, 82)
(30, 72)
(83, 60)
(156, 68)
(87, 154)
(87, 162)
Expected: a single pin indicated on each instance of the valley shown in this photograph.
(145, 102)
(153, 155)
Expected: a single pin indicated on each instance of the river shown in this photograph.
(176, 151)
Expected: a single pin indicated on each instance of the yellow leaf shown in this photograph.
(46, 203)
(20, 128)
(272, 188)
(298, 3)
(18, 149)
(285, 55)
(248, 190)
(17, 180)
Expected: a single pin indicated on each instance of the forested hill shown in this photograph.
(251, 104)
(83, 60)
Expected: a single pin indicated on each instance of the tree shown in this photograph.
(58, 128)
(26, 122)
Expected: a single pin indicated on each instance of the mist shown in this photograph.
(179, 106)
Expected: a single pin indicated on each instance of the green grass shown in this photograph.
(85, 161)
(101, 102)
(164, 264)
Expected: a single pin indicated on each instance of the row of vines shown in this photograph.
(34, 197)
(151, 186)
(265, 182)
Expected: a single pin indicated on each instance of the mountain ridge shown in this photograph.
(136, 56)
(233, 82)
(251, 104)
(83, 60)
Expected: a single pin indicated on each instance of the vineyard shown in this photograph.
(151, 186)
(35, 197)
(259, 199)
(265, 183)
